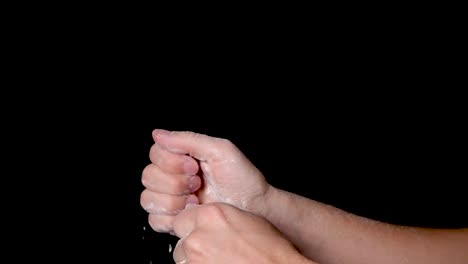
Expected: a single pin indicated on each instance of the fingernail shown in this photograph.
(161, 133)
(191, 205)
(194, 183)
(192, 199)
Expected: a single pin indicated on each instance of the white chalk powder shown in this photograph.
(170, 248)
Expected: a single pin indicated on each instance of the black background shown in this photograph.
(371, 127)
(393, 156)
(399, 159)
(399, 164)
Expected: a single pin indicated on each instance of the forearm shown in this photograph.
(329, 235)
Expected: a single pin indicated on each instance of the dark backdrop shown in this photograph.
(402, 166)
(334, 122)
(401, 161)
(358, 115)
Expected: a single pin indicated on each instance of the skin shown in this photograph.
(221, 233)
(190, 168)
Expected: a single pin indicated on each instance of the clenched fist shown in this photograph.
(190, 168)
(220, 233)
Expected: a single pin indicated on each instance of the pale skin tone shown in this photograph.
(220, 233)
(190, 168)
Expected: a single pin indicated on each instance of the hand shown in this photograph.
(193, 168)
(220, 233)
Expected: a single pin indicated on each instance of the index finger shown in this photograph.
(199, 146)
(172, 162)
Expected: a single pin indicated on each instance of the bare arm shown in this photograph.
(329, 235)
(182, 161)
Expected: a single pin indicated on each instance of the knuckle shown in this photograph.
(145, 200)
(158, 157)
(193, 243)
(165, 162)
(225, 142)
(176, 184)
(144, 196)
(153, 153)
(213, 213)
(173, 205)
(157, 224)
(224, 145)
(147, 175)
(190, 134)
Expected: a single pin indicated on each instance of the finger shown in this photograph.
(199, 146)
(161, 223)
(179, 253)
(165, 204)
(185, 222)
(157, 180)
(171, 162)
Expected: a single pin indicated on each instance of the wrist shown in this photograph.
(263, 205)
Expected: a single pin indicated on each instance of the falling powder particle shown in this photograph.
(170, 248)
(144, 228)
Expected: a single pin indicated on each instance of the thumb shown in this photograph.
(199, 146)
